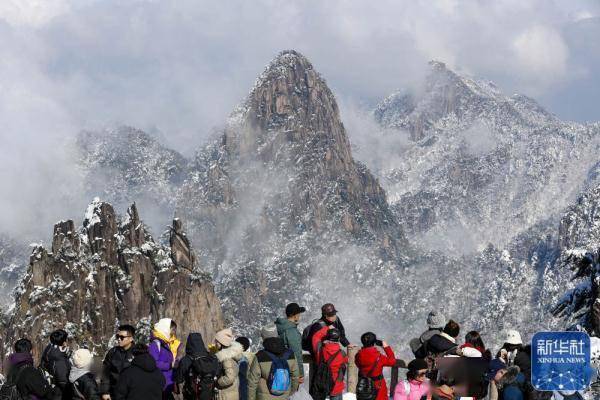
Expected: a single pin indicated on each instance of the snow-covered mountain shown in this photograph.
(276, 203)
(463, 216)
(480, 167)
(484, 179)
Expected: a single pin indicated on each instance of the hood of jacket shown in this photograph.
(145, 362)
(77, 373)
(233, 352)
(425, 336)
(162, 332)
(194, 346)
(330, 348)
(163, 328)
(284, 324)
(274, 345)
(468, 350)
(447, 337)
(54, 352)
(513, 375)
(20, 358)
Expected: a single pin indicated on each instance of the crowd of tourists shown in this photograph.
(227, 369)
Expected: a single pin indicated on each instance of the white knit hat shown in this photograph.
(513, 337)
(82, 358)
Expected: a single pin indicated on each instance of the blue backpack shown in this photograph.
(279, 380)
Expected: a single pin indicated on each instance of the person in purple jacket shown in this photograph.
(160, 348)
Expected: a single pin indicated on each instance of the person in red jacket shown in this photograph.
(369, 358)
(326, 347)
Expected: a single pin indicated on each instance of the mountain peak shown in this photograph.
(283, 63)
(457, 96)
(289, 103)
(288, 89)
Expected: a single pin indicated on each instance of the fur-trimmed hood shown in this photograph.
(233, 352)
(513, 375)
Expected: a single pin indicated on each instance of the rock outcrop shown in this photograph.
(278, 200)
(109, 272)
(275, 203)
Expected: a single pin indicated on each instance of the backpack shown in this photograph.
(76, 393)
(365, 387)
(205, 368)
(323, 382)
(307, 336)
(47, 369)
(279, 381)
(203, 373)
(9, 390)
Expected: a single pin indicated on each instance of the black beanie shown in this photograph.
(417, 364)
(244, 341)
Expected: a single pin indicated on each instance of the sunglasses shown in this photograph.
(121, 337)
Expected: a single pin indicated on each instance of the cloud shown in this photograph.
(31, 12)
(180, 67)
(542, 54)
(479, 138)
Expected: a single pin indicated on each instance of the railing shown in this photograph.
(352, 370)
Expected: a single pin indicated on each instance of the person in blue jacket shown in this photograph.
(507, 382)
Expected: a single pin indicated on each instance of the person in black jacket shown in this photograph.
(55, 360)
(83, 384)
(196, 370)
(435, 324)
(21, 372)
(142, 380)
(444, 343)
(329, 317)
(117, 359)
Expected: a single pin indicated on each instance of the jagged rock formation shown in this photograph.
(481, 166)
(276, 202)
(282, 196)
(110, 271)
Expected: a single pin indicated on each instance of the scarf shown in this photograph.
(172, 341)
(77, 373)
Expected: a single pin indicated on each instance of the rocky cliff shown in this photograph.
(109, 272)
(282, 202)
(277, 205)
